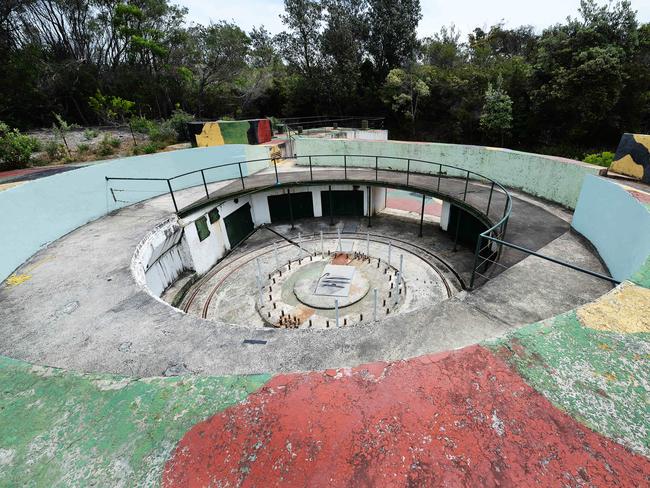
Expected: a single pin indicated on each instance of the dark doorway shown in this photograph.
(239, 224)
(345, 203)
(302, 205)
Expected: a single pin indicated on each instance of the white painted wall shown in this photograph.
(378, 197)
(444, 215)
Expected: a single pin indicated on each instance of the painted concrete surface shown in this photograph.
(36, 213)
(456, 419)
(552, 178)
(600, 378)
(616, 223)
(59, 428)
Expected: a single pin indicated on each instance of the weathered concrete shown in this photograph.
(456, 419)
(87, 320)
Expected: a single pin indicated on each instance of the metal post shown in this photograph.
(311, 174)
(345, 166)
(336, 306)
(338, 233)
(401, 264)
(476, 257)
(368, 244)
(439, 176)
(408, 169)
(241, 175)
(374, 309)
(275, 167)
(171, 192)
(487, 212)
(390, 248)
(331, 207)
(376, 167)
(299, 246)
(466, 182)
(322, 248)
(399, 279)
(290, 209)
(422, 216)
(369, 206)
(205, 185)
(457, 228)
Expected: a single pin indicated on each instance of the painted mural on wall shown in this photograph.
(633, 157)
(218, 133)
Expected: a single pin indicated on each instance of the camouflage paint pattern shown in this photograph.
(60, 428)
(205, 134)
(633, 157)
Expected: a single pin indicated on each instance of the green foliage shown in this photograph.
(178, 121)
(404, 89)
(15, 148)
(163, 133)
(83, 148)
(110, 109)
(55, 150)
(604, 159)
(61, 128)
(107, 145)
(90, 134)
(496, 117)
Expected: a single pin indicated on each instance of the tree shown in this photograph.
(403, 91)
(496, 117)
(393, 37)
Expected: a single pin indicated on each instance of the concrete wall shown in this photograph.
(552, 178)
(40, 211)
(616, 223)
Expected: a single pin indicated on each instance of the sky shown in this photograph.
(465, 14)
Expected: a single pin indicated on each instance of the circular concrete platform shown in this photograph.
(307, 281)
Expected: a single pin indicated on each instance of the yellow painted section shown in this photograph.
(210, 135)
(627, 166)
(642, 139)
(18, 279)
(6, 186)
(626, 309)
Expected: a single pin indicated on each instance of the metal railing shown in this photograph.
(456, 189)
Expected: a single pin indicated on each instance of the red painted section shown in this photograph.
(263, 131)
(413, 205)
(455, 419)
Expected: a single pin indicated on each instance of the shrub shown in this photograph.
(604, 159)
(90, 134)
(163, 133)
(178, 121)
(141, 125)
(15, 148)
(83, 148)
(107, 145)
(55, 150)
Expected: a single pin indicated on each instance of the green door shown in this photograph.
(239, 224)
(302, 205)
(345, 203)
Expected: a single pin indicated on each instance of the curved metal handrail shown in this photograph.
(490, 234)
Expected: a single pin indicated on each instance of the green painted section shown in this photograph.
(61, 428)
(552, 178)
(642, 276)
(234, 132)
(600, 378)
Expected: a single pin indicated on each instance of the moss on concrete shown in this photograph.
(600, 378)
(60, 428)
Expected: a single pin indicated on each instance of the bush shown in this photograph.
(90, 134)
(83, 148)
(15, 148)
(107, 145)
(163, 133)
(55, 150)
(604, 159)
(178, 121)
(141, 125)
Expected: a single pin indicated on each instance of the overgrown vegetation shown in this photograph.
(572, 88)
(15, 148)
(605, 159)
